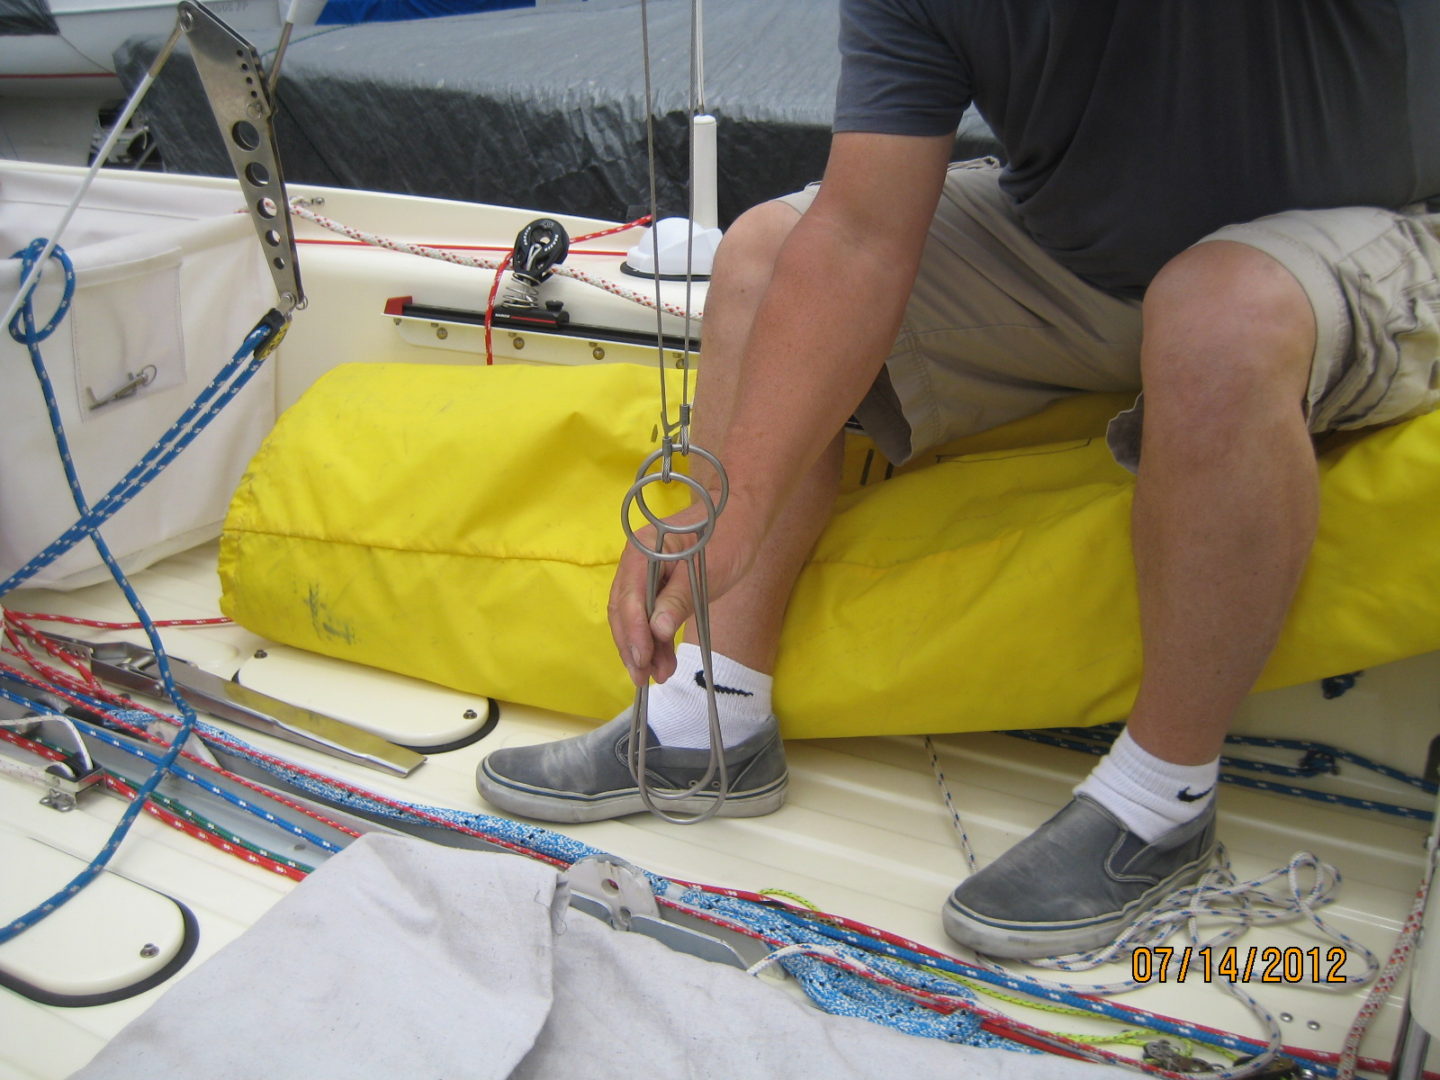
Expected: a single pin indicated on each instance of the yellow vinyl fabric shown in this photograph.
(461, 525)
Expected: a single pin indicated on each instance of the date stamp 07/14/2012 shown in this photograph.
(1272, 964)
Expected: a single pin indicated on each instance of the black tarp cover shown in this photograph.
(26, 17)
(537, 107)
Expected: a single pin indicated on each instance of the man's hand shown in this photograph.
(647, 645)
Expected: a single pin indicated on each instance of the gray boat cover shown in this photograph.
(27, 17)
(399, 958)
(538, 107)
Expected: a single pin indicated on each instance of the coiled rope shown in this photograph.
(1292, 893)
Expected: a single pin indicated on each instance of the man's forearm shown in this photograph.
(827, 323)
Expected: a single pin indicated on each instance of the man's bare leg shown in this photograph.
(1228, 494)
(746, 622)
(1225, 514)
(587, 778)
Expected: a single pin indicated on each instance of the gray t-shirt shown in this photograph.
(1132, 128)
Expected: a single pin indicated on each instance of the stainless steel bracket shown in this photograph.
(614, 891)
(239, 96)
(136, 668)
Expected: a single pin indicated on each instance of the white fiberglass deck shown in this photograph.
(864, 834)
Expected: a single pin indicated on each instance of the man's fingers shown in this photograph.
(673, 606)
(646, 639)
(629, 621)
(663, 663)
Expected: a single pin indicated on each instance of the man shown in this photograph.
(1220, 202)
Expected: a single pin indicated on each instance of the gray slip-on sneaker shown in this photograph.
(1074, 883)
(587, 778)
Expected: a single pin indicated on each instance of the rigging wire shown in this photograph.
(690, 540)
(31, 276)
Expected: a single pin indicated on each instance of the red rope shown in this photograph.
(490, 306)
(509, 257)
(198, 832)
(101, 624)
(1141, 1016)
(118, 701)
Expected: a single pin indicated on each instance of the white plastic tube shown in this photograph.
(704, 170)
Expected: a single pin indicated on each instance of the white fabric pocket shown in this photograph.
(158, 309)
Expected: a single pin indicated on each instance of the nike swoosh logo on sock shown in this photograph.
(1184, 794)
(700, 682)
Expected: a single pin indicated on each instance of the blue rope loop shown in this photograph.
(22, 326)
(1317, 759)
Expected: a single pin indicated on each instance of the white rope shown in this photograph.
(1280, 896)
(800, 949)
(1399, 957)
(299, 209)
(966, 848)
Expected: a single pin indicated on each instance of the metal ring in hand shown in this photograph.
(701, 530)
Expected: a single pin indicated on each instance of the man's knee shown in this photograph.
(1227, 326)
(752, 244)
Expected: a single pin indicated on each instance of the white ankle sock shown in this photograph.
(678, 713)
(1150, 796)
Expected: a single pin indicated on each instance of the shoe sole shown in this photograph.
(1012, 941)
(572, 809)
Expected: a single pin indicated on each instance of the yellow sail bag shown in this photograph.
(462, 525)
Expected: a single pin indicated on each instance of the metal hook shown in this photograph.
(132, 385)
(692, 554)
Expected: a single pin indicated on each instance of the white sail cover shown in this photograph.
(404, 958)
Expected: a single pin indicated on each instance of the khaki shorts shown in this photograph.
(996, 329)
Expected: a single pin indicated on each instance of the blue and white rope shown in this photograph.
(248, 806)
(875, 950)
(23, 329)
(956, 821)
(802, 953)
(1096, 740)
(834, 989)
(111, 845)
(195, 418)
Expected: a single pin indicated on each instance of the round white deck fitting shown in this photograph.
(676, 250)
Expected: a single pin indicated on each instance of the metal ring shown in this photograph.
(701, 530)
(635, 496)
